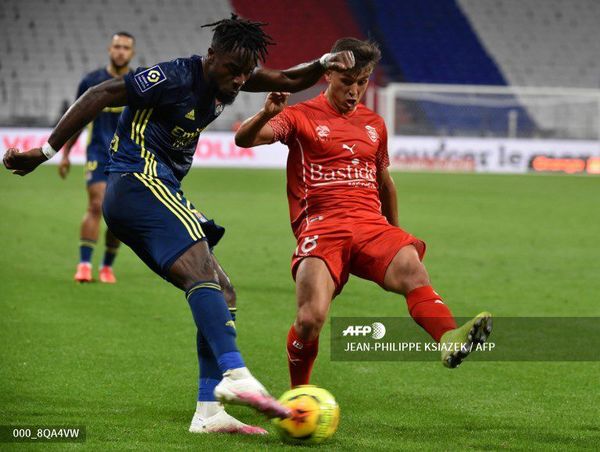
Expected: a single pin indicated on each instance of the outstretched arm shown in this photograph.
(388, 197)
(299, 77)
(111, 93)
(255, 131)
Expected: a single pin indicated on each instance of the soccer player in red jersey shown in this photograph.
(343, 211)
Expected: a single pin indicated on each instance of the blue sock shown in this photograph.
(109, 257)
(210, 374)
(214, 321)
(86, 248)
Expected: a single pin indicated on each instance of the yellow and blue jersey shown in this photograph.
(168, 105)
(102, 128)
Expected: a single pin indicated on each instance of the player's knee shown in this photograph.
(193, 266)
(406, 276)
(417, 279)
(205, 269)
(95, 207)
(310, 322)
(415, 275)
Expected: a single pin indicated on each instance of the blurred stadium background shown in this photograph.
(484, 85)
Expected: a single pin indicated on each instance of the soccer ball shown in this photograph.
(315, 415)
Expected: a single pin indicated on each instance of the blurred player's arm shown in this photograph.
(111, 93)
(255, 131)
(65, 164)
(388, 197)
(299, 77)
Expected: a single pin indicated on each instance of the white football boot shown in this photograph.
(239, 387)
(211, 417)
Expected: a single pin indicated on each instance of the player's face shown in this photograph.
(346, 89)
(228, 71)
(121, 51)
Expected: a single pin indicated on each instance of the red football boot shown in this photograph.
(107, 276)
(84, 272)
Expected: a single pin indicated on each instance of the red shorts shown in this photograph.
(363, 246)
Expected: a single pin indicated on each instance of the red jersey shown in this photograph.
(333, 159)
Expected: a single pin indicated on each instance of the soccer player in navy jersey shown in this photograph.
(167, 106)
(100, 132)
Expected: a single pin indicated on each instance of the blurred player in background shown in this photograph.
(343, 210)
(100, 132)
(167, 106)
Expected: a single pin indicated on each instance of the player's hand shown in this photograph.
(22, 163)
(63, 167)
(275, 103)
(338, 61)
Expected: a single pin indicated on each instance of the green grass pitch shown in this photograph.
(121, 359)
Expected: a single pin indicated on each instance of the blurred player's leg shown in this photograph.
(210, 415)
(314, 291)
(194, 272)
(106, 274)
(90, 227)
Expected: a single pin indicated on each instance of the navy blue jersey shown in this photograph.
(168, 105)
(103, 127)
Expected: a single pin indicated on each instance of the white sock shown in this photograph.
(207, 409)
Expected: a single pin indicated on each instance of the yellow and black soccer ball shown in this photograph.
(315, 415)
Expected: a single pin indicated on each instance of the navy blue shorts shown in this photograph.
(94, 170)
(154, 219)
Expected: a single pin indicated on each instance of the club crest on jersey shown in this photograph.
(219, 109)
(322, 132)
(373, 135)
(149, 78)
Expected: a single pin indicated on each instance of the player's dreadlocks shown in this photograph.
(241, 34)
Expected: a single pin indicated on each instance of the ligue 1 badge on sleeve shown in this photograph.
(149, 78)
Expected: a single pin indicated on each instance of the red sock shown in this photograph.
(301, 357)
(428, 310)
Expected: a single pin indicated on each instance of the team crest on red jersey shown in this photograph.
(322, 132)
(373, 135)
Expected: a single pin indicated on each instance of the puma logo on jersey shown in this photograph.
(191, 115)
(349, 148)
